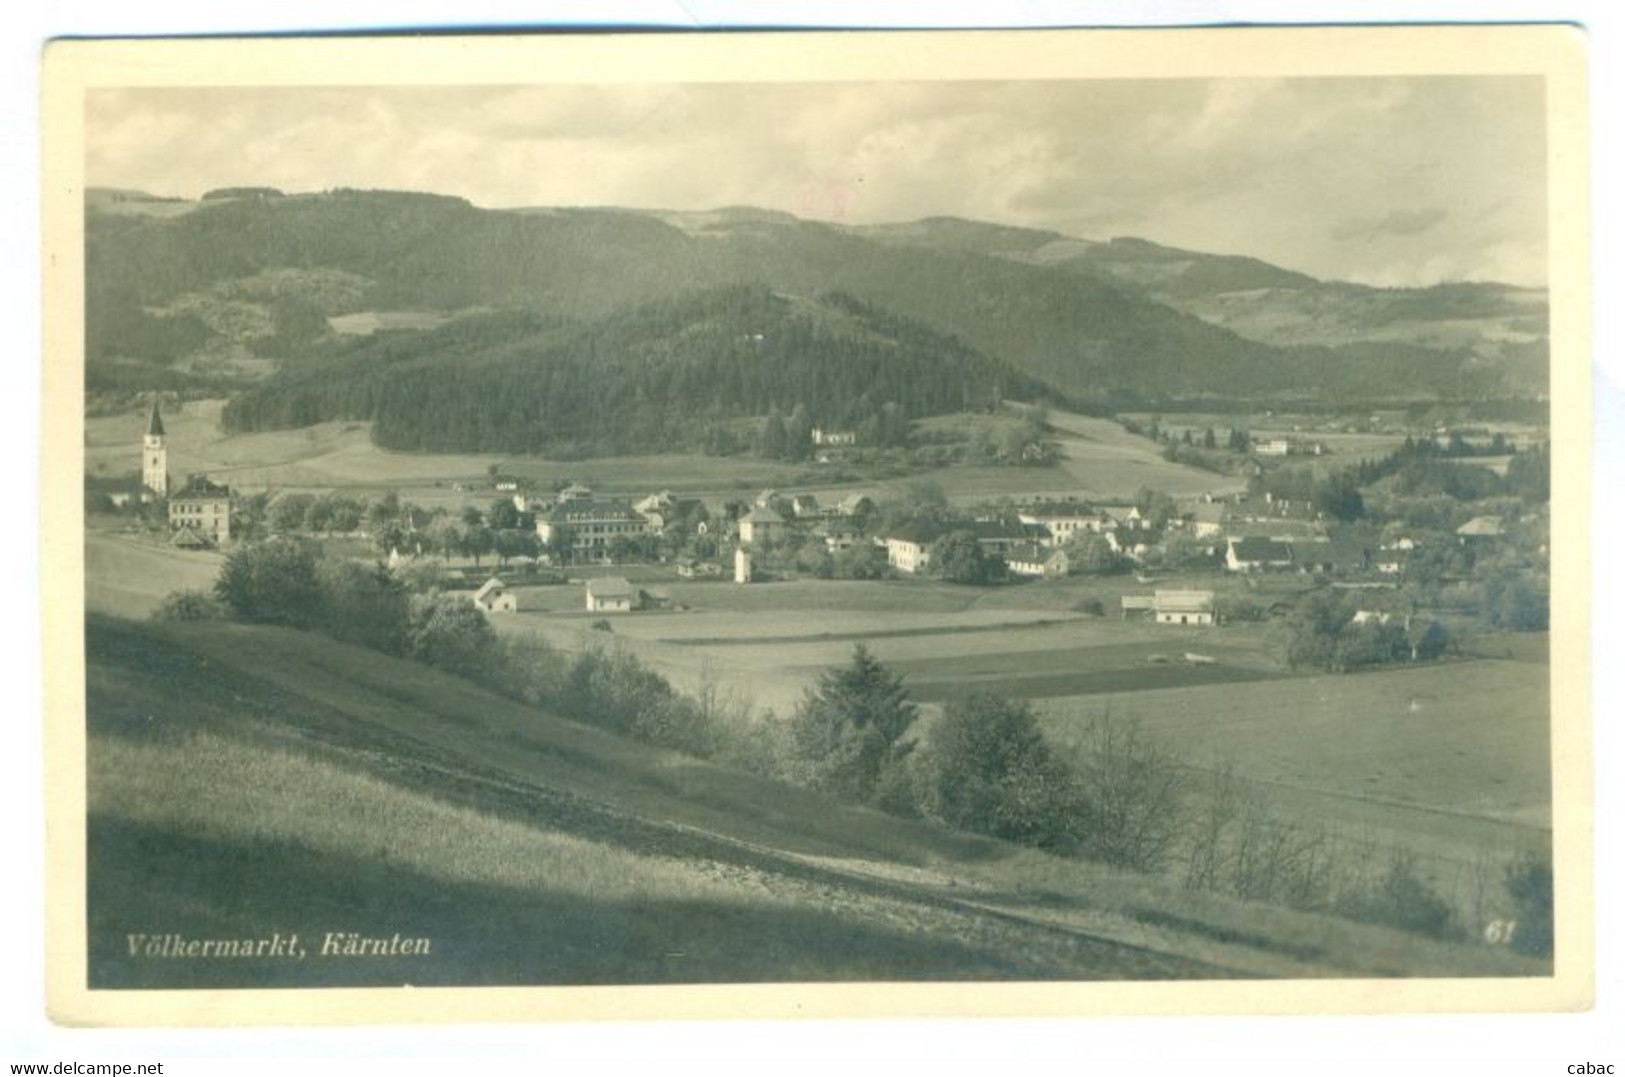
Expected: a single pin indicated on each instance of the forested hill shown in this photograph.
(663, 376)
(263, 275)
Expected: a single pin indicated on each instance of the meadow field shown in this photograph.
(245, 778)
(1099, 459)
(130, 575)
(1450, 761)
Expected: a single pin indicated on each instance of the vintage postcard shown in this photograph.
(663, 525)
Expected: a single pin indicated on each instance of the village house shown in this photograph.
(744, 566)
(838, 536)
(908, 547)
(1392, 556)
(833, 438)
(1064, 521)
(1480, 529)
(1041, 562)
(1207, 519)
(573, 492)
(612, 594)
(1257, 554)
(1125, 517)
(203, 508)
(690, 569)
(591, 525)
(1173, 607)
(494, 597)
(1183, 607)
(852, 505)
(762, 524)
(804, 506)
(1273, 447)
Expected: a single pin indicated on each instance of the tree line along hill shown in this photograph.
(667, 375)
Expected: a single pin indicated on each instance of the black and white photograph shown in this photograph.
(1032, 521)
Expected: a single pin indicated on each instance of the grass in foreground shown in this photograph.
(257, 780)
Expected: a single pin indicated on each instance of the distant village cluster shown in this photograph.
(536, 534)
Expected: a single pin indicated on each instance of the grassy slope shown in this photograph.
(244, 781)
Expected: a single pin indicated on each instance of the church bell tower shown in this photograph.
(154, 457)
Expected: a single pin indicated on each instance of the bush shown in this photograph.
(272, 583)
(989, 770)
(364, 604)
(1529, 884)
(189, 606)
(450, 633)
(1400, 899)
(1136, 794)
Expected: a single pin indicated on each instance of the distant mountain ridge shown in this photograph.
(1104, 323)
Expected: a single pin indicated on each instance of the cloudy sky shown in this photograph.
(1400, 181)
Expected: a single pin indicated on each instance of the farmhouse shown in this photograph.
(204, 507)
(1183, 607)
(590, 525)
(1042, 562)
(1255, 554)
(612, 594)
(494, 597)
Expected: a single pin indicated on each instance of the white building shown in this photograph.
(612, 594)
(494, 597)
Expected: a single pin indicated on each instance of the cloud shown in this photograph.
(1396, 222)
(1377, 179)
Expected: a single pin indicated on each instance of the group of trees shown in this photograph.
(984, 766)
(286, 582)
(1324, 630)
(663, 377)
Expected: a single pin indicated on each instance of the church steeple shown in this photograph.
(154, 456)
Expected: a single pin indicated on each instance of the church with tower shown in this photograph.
(200, 510)
(154, 458)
